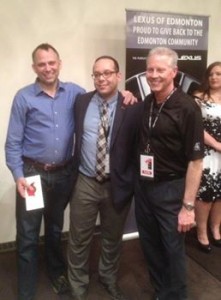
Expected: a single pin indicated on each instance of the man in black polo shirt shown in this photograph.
(171, 152)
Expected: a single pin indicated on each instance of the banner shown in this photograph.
(186, 34)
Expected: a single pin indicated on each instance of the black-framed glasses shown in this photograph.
(105, 75)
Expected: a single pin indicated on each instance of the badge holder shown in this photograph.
(147, 166)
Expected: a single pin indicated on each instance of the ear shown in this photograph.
(60, 64)
(175, 70)
(33, 67)
(119, 76)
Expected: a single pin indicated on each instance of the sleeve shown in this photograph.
(15, 135)
(193, 132)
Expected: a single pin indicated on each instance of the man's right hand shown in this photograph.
(22, 185)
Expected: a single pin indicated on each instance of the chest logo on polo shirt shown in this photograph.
(197, 147)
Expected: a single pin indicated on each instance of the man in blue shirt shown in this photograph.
(40, 141)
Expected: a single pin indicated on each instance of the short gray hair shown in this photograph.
(172, 55)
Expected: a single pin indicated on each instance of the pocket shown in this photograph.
(29, 170)
(175, 191)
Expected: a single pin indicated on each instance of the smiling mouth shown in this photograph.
(49, 77)
(102, 86)
(154, 83)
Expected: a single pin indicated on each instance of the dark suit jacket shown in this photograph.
(123, 145)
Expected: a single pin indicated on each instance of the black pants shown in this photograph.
(157, 206)
(56, 188)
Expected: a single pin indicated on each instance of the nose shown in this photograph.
(153, 73)
(47, 67)
(101, 77)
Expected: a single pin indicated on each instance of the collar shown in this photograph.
(39, 90)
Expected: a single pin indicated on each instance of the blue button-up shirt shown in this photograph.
(90, 134)
(41, 127)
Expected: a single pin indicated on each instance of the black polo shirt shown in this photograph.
(177, 136)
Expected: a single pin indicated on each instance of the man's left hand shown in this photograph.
(129, 98)
(186, 220)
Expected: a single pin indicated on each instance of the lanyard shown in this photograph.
(152, 123)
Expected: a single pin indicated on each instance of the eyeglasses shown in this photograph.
(105, 75)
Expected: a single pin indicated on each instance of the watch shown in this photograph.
(188, 206)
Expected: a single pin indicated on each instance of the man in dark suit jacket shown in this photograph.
(110, 196)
